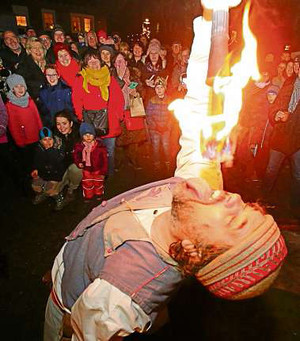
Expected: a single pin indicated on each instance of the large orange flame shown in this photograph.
(215, 127)
(231, 87)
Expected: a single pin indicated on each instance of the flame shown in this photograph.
(231, 87)
(216, 127)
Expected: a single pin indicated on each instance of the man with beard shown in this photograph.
(123, 262)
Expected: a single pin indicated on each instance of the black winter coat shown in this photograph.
(33, 75)
(49, 163)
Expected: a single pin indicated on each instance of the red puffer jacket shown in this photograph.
(93, 100)
(24, 124)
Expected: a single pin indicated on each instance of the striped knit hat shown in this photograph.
(249, 268)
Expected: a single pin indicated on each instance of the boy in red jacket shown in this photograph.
(91, 156)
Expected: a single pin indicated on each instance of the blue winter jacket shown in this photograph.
(54, 99)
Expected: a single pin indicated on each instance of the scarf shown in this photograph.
(68, 73)
(19, 101)
(86, 152)
(295, 96)
(100, 78)
(249, 268)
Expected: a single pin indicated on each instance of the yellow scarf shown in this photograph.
(100, 78)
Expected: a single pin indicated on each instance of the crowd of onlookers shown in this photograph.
(55, 88)
(268, 131)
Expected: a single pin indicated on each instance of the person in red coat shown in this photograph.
(91, 156)
(67, 66)
(95, 89)
(24, 123)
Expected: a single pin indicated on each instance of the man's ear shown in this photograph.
(71, 123)
(190, 248)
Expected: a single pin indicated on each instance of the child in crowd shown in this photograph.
(55, 97)
(160, 123)
(24, 124)
(48, 170)
(91, 156)
(24, 121)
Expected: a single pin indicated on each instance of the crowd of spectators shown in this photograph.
(51, 83)
(51, 86)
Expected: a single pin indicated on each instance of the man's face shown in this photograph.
(213, 217)
(64, 57)
(11, 41)
(91, 39)
(59, 37)
(31, 33)
(46, 41)
(137, 51)
(296, 67)
(47, 142)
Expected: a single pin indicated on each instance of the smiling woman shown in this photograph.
(67, 67)
(32, 67)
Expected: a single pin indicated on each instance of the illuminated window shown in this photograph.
(81, 22)
(48, 20)
(21, 20)
(87, 24)
(75, 23)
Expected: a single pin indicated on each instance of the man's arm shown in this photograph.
(190, 163)
(105, 312)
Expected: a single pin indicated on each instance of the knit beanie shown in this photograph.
(45, 132)
(14, 80)
(86, 128)
(107, 47)
(101, 34)
(60, 46)
(249, 268)
(153, 48)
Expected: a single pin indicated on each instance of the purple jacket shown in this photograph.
(3, 122)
